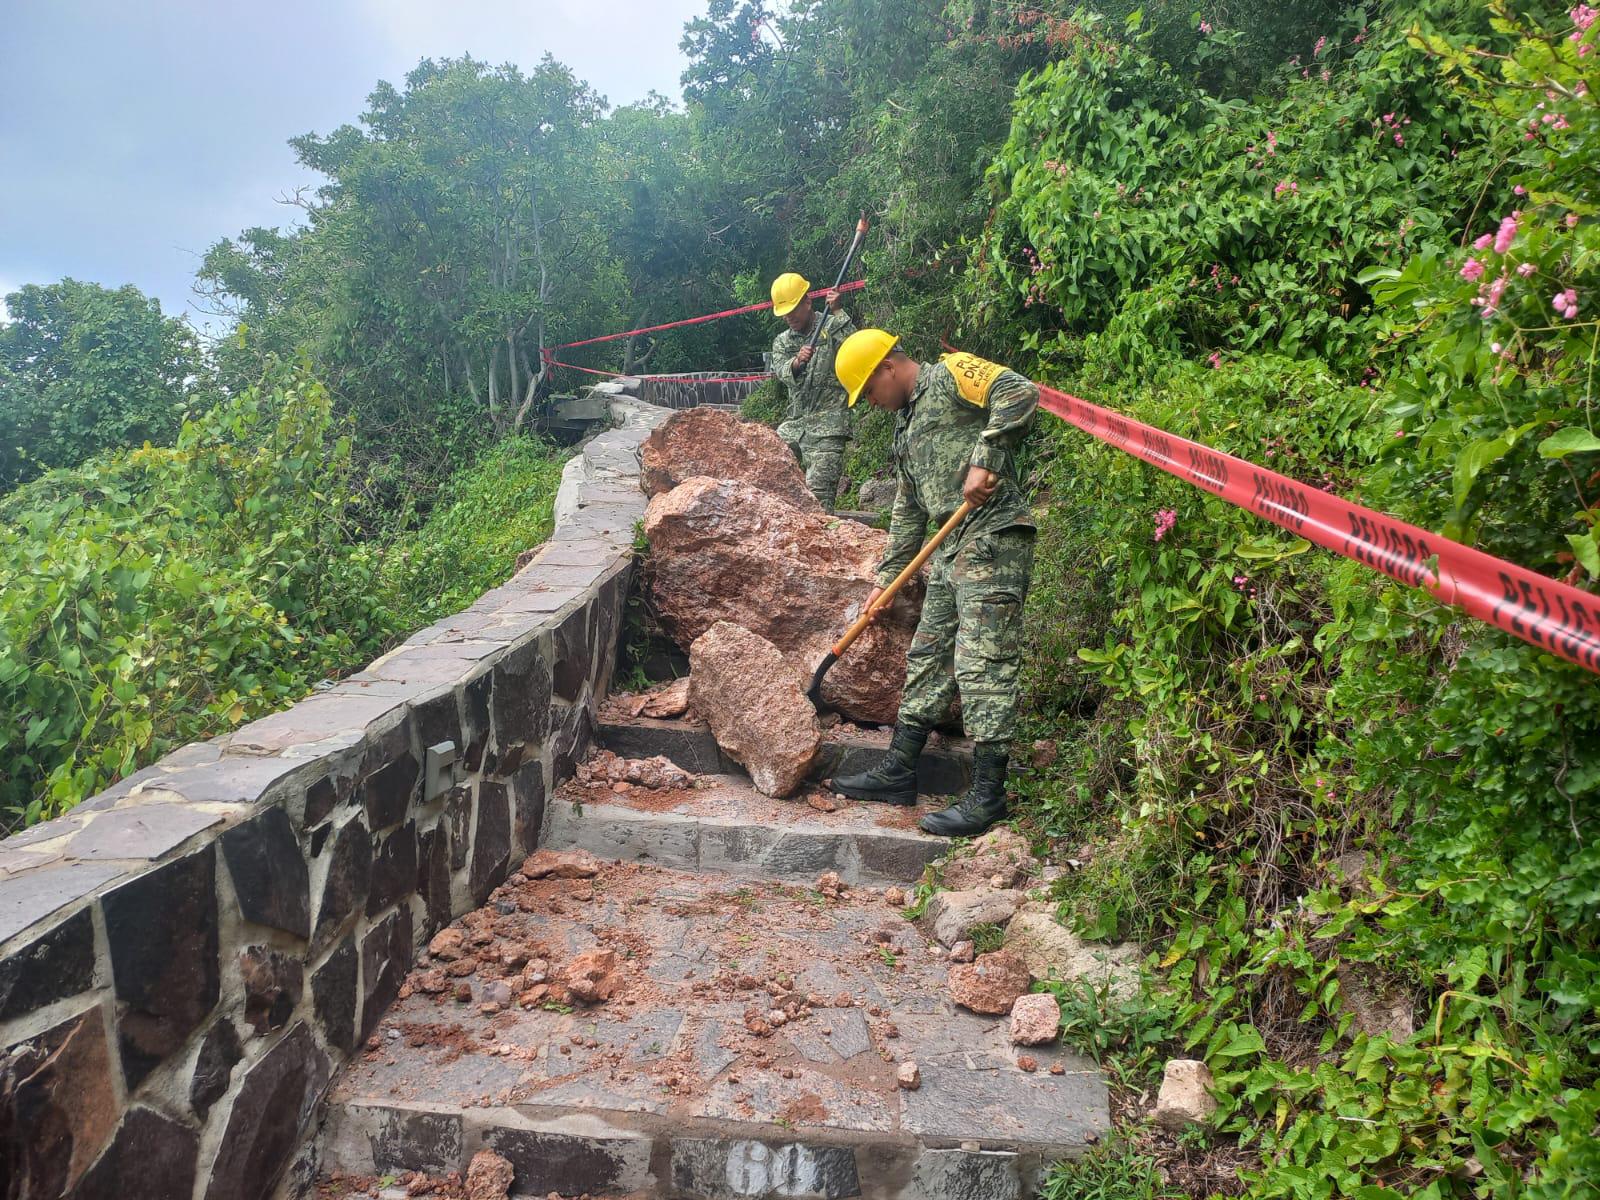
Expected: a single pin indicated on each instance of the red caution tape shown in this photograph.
(1552, 616)
(554, 362)
(716, 316)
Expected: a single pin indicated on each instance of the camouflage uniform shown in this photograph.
(964, 412)
(819, 417)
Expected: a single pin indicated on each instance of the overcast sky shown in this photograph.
(133, 135)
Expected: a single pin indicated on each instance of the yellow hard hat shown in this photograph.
(788, 290)
(858, 357)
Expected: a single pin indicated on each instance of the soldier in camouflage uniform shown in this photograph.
(958, 424)
(818, 424)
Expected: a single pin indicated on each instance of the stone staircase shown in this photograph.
(758, 1027)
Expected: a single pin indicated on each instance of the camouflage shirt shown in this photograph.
(963, 412)
(817, 399)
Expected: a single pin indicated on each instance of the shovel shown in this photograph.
(814, 692)
(855, 244)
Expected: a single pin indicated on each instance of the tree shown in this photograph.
(84, 369)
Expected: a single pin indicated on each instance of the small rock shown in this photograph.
(821, 803)
(497, 991)
(489, 1009)
(446, 944)
(843, 1000)
(990, 984)
(433, 982)
(953, 915)
(1035, 1019)
(1027, 1063)
(1057, 1069)
(909, 1076)
(621, 786)
(561, 864)
(462, 967)
(894, 897)
(489, 1176)
(1185, 1098)
(998, 852)
(962, 952)
(463, 992)
(591, 976)
(830, 885)
(668, 701)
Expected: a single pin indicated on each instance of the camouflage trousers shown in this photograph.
(821, 457)
(970, 636)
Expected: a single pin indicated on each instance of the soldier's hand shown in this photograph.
(872, 598)
(835, 301)
(804, 355)
(980, 485)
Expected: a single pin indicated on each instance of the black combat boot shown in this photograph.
(984, 803)
(894, 780)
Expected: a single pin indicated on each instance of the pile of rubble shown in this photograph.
(755, 582)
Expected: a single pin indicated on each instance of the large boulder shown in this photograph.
(754, 700)
(723, 550)
(718, 445)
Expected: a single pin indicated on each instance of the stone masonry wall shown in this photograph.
(186, 958)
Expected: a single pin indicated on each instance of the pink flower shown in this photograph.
(1520, 190)
(1316, 51)
(1215, 360)
(1572, 220)
(1166, 518)
(1205, 26)
(1506, 234)
(1583, 16)
(1526, 269)
(1492, 300)
(1472, 270)
(1285, 185)
(1399, 138)
(1484, 242)
(1566, 303)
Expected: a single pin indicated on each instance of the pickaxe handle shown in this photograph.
(844, 267)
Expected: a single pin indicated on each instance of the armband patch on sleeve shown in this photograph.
(974, 376)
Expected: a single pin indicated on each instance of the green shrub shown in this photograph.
(160, 595)
(484, 517)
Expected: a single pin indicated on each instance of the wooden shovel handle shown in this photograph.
(886, 597)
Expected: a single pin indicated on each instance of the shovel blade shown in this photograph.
(814, 692)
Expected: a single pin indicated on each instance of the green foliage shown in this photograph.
(484, 517)
(161, 595)
(84, 369)
(1269, 707)
(1259, 242)
(1117, 1170)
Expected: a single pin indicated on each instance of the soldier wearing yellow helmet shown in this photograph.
(818, 421)
(958, 425)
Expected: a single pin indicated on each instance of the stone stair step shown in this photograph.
(730, 828)
(665, 1089)
(945, 768)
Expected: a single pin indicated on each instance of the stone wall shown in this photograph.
(186, 958)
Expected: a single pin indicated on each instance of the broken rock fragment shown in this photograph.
(1035, 1019)
(755, 703)
(719, 445)
(591, 977)
(1185, 1098)
(489, 1176)
(725, 551)
(1000, 852)
(909, 1076)
(561, 864)
(953, 915)
(669, 700)
(990, 984)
